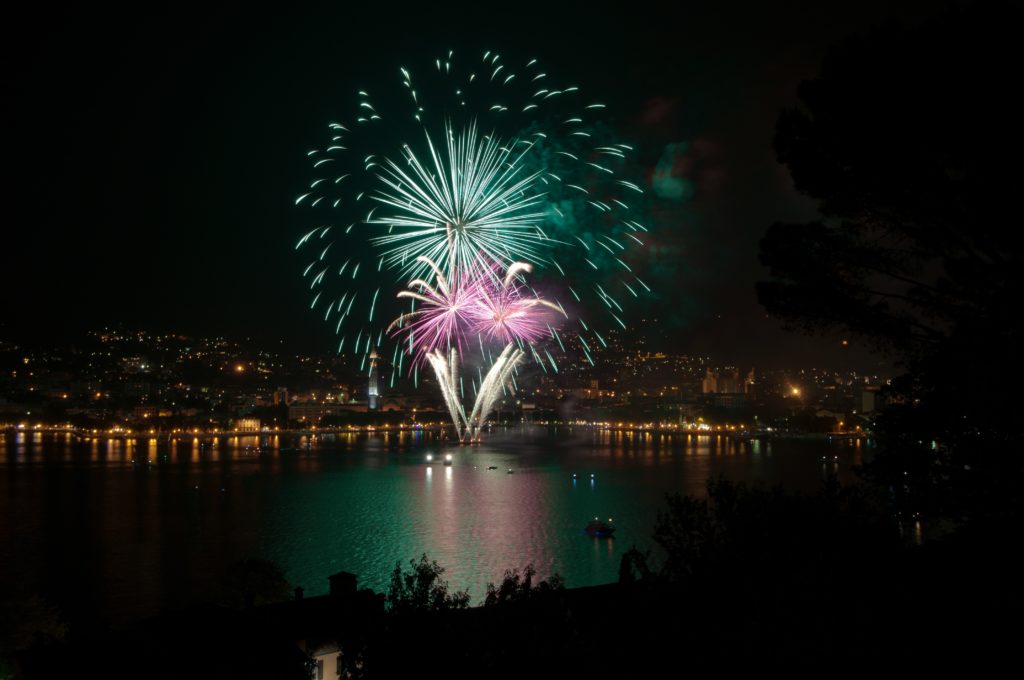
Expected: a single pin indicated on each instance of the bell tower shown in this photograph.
(372, 393)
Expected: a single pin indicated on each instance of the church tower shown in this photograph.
(372, 394)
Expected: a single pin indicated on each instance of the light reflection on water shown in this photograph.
(125, 538)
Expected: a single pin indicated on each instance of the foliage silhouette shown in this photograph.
(635, 566)
(422, 589)
(783, 533)
(26, 621)
(903, 140)
(516, 587)
(255, 582)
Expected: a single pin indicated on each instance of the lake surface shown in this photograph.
(112, 530)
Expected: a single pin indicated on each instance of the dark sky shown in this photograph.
(153, 157)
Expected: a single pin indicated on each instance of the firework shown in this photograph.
(446, 372)
(502, 310)
(452, 181)
(491, 388)
(442, 319)
(478, 202)
(481, 302)
(458, 157)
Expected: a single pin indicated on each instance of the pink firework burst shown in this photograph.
(502, 310)
(443, 313)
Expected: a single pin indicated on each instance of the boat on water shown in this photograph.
(492, 467)
(598, 529)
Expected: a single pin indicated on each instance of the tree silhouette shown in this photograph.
(422, 589)
(784, 533)
(26, 620)
(517, 587)
(255, 582)
(909, 139)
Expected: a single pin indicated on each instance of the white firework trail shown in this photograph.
(447, 373)
(492, 387)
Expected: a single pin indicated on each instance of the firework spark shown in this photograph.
(442, 319)
(479, 201)
(503, 311)
(446, 370)
(492, 386)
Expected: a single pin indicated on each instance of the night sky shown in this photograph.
(154, 158)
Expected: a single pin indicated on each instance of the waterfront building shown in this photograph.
(372, 394)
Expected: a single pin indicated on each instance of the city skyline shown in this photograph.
(120, 383)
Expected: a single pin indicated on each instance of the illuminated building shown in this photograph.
(372, 394)
(247, 424)
(710, 383)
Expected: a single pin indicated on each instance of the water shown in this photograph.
(111, 539)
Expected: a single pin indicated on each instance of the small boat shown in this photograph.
(510, 471)
(492, 467)
(448, 459)
(598, 529)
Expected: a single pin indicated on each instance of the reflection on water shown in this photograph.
(120, 528)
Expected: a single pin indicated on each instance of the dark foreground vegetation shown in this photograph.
(742, 578)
